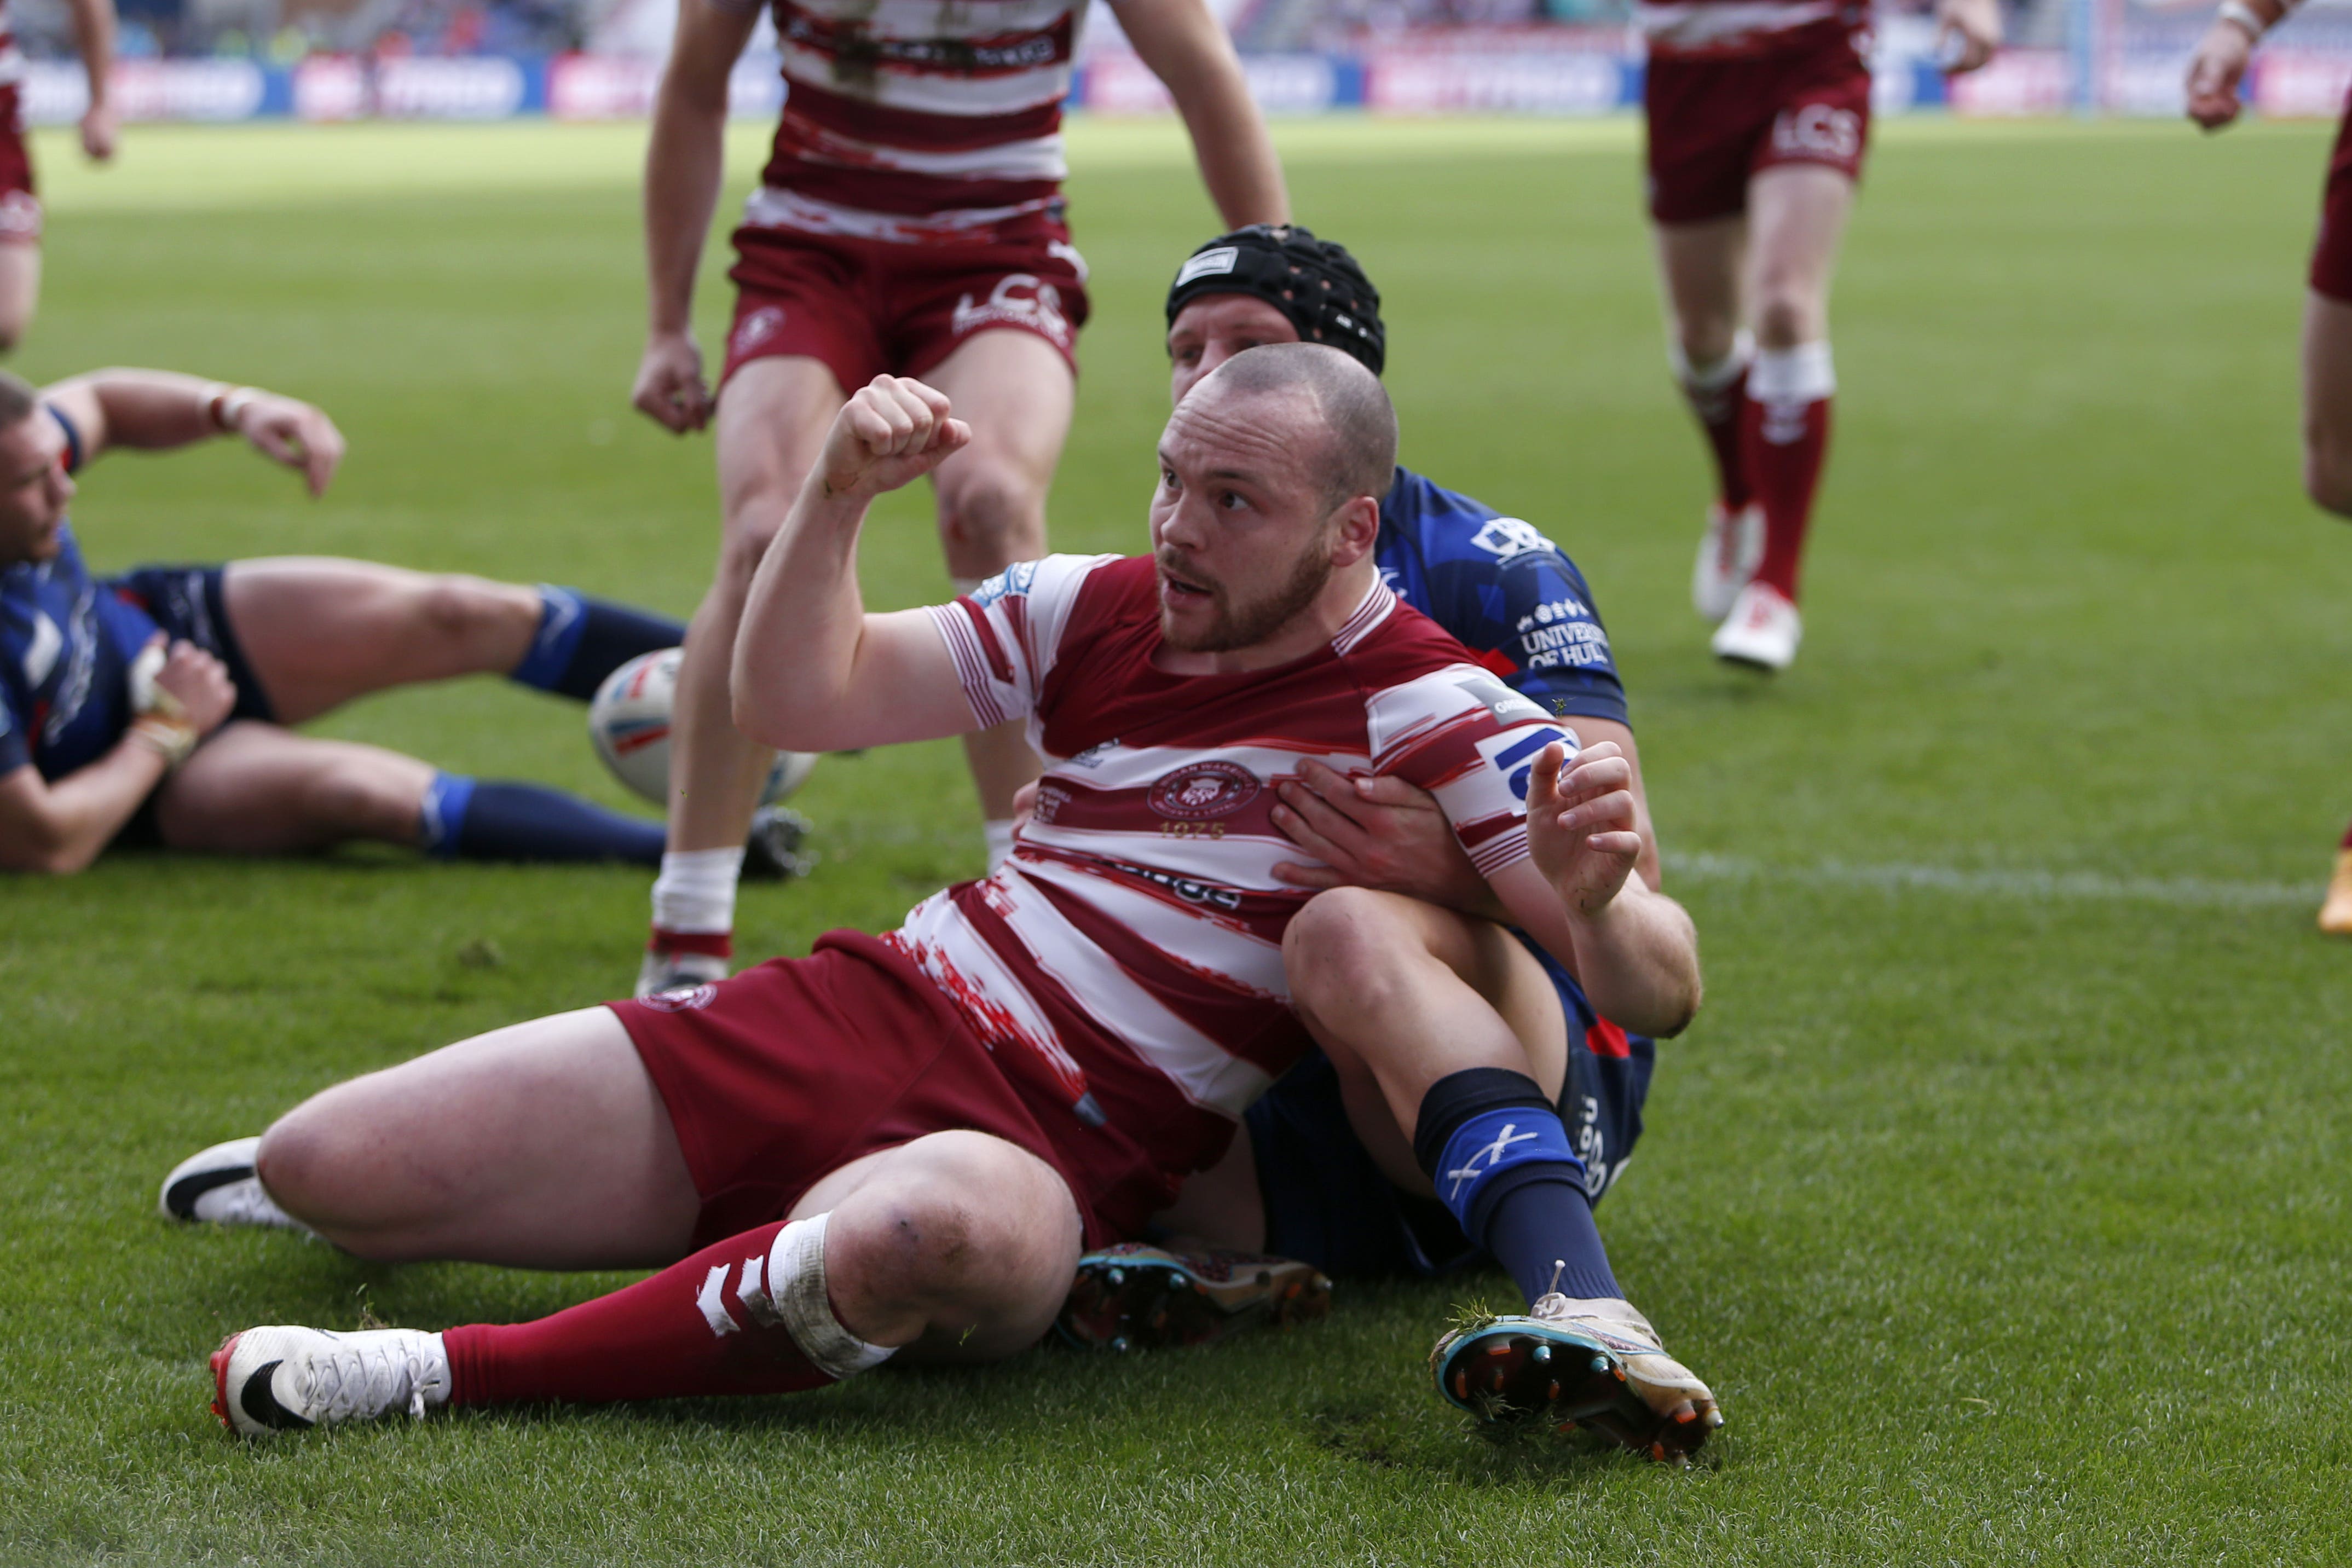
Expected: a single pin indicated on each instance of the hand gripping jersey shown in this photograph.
(1128, 959)
(1739, 29)
(1505, 591)
(948, 110)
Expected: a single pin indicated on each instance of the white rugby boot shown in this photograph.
(1761, 632)
(662, 972)
(1728, 553)
(1597, 1364)
(218, 1186)
(284, 1379)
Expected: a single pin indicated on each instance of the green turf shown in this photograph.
(1998, 1189)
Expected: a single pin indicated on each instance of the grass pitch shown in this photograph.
(1998, 1190)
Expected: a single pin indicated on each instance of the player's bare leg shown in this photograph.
(2327, 479)
(544, 1145)
(20, 290)
(1711, 350)
(1450, 1043)
(258, 790)
(1796, 218)
(772, 417)
(318, 633)
(1016, 393)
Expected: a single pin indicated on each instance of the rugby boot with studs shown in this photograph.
(1597, 1364)
(1728, 554)
(1135, 1297)
(218, 1186)
(284, 1379)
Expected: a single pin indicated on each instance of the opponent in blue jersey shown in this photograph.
(1335, 1172)
(153, 706)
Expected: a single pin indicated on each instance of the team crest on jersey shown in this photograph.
(689, 1000)
(1199, 790)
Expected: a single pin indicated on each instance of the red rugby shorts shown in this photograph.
(1715, 124)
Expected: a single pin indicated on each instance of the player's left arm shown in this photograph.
(1632, 948)
(1186, 47)
(2217, 67)
(154, 410)
(1967, 32)
(93, 26)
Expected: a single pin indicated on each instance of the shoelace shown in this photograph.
(365, 1380)
(1634, 1340)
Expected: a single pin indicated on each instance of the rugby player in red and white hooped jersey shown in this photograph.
(1759, 115)
(910, 222)
(902, 1144)
(2216, 71)
(20, 209)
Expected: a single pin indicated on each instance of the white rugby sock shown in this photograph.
(1701, 382)
(695, 894)
(998, 831)
(796, 1290)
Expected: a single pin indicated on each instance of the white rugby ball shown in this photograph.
(628, 723)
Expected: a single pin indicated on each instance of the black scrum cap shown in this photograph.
(1313, 281)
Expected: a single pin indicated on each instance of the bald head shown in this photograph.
(1357, 456)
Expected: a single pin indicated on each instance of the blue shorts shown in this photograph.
(1327, 1203)
(185, 602)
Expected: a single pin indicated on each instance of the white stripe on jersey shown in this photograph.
(770, 208)
(1243, 860)
(1172, 929)
(1038, 158)
(1703, 26)
(929, 92)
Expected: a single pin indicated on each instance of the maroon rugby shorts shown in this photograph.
(798, 1066)
(20, 210)
(2331, 258)
(896, 307)
(1715, 124)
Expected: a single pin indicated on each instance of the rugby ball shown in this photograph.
(628, 723)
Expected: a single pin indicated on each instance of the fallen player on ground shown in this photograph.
(153, 707)
(902, 1144)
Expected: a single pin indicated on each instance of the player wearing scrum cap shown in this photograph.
(901, 1144)
(1758, 114)
(1384, 966)
(909, 221)
(20, 209)
(153, 707)
(2216, 71)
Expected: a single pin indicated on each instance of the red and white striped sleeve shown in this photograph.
(1471, 741)
(1003, 635)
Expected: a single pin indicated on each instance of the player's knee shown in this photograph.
(963, 1220)
(306, 1161)
(2327, 472)
(1343, 952)
(1786, 315)
(990, 515)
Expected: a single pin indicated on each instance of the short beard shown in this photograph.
(1248, 624)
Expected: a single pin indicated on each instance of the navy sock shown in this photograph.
(1503, 1164)
(581, 640)
(471, 819)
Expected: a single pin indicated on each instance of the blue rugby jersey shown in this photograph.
(1505, 591)
(67, 642)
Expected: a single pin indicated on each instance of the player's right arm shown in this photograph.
(94, 27)
(2219, 66)
(684, 160)
(58, 829)
(812, 671)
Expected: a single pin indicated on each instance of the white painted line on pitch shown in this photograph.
(2193, 893)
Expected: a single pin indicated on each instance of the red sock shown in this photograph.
(716, 943)
(657, 1339)
(1784, 438)
(1717, 398)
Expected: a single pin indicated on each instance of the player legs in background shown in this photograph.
(1016, 391)
(2327, 454)
(1711, 351)
(20, 209)
(772, 416)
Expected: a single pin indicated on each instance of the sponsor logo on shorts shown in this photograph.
(1513, 753)
(687, 1000)
(1019, 299)
(757, 327)
(1199, 790)
(1507, 539)
(1817, 132)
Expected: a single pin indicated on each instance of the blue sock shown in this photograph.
(1503, 1164)
(581, 640)
(469, 819)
